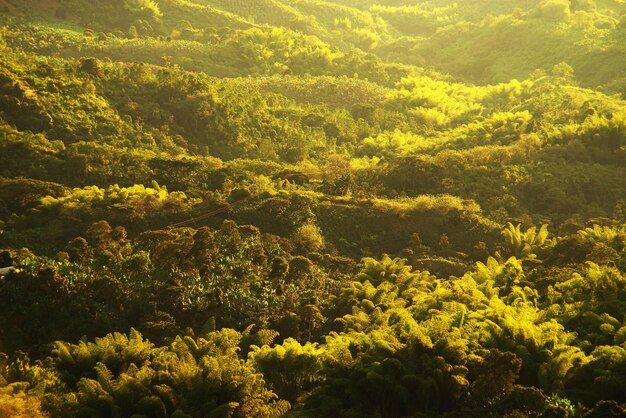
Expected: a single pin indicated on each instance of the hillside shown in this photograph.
(347, 208)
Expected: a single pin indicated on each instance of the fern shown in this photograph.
(105, 377)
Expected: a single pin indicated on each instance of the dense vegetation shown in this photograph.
(312, 208)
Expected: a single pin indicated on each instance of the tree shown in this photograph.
(144, 9)
(555, 9)
(291, 369)
(308, 238)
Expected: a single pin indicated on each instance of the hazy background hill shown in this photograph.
(480, 42)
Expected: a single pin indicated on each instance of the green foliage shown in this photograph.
(525, 244)
(127, 375)
(309, 238)
(147, 9)
(19, 406)
(290, 369)
(208, 173)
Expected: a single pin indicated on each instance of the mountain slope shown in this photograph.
(356, 208)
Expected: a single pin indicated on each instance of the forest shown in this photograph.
(312, 208)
